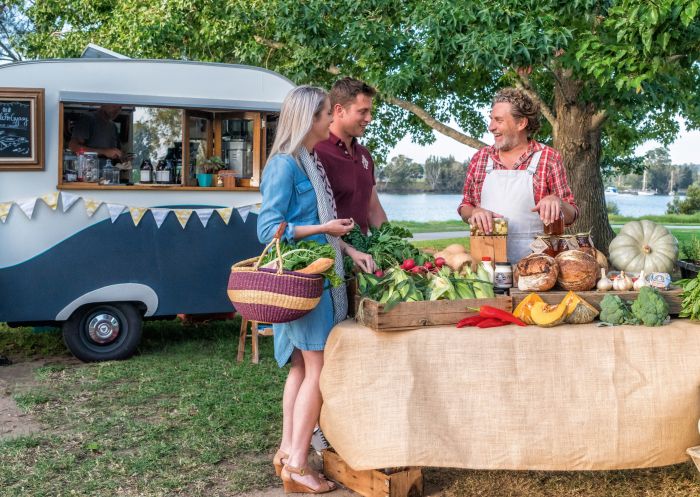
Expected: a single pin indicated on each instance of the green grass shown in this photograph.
(662, 219)
(441, 244)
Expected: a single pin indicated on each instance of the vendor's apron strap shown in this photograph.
(534, 162)
(489, 165)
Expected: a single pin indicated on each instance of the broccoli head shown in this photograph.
(650, 308)
(614, 310)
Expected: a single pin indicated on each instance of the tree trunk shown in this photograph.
(579, 145)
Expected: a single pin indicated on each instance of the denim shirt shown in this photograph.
(287, 195)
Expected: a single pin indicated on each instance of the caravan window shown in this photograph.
(140, 147)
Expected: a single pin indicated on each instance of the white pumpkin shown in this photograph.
(644, 246)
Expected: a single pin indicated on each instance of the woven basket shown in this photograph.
(272, 295)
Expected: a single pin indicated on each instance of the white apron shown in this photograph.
(509, 193)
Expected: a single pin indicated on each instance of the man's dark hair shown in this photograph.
(345, 91)
(521, 106)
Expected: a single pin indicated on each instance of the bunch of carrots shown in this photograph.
(490, 317)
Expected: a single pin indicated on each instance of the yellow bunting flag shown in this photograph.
(137, 214)
(91, 206)
(51, 199)
(225, 214)
(183, 215)
(5, 210)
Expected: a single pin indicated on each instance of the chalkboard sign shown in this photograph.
(21, 129)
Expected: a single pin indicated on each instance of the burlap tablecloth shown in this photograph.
(565, 398)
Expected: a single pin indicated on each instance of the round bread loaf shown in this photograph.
(578, 270)
(536, 273)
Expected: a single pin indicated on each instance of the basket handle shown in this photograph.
(276, 242)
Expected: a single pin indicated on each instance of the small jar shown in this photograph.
(503, 275)
(488, 266)
(555, 228)
(584, 240)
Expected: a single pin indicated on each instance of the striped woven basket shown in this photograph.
(272, 295)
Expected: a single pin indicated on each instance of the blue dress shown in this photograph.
(287, 195)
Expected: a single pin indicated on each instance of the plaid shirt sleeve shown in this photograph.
(554, 180)
(476, 173)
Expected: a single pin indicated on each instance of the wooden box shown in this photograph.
(488, 246)
(593, 297)
(398, 482)
(411, 315)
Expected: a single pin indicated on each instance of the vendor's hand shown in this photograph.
(550, 209)
(112, 153)
(361, 260)
(338, 227)
(483, 219)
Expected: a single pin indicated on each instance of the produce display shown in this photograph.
(455, 256)
(490, 317)
(690, 306)
(644, 245)
(307, 257)
(578, 270)
(387, 245)
(648, 309)
(572, 309)
(536, 273)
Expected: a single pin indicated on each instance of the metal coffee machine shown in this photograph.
(237, 147)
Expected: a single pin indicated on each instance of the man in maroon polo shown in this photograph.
(349, 165)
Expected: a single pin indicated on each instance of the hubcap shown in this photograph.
(103, 328)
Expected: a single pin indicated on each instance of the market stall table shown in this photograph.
(566, 398)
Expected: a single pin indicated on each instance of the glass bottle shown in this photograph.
(146, 171)
(107, 176)
(488, 266)
(80, 170)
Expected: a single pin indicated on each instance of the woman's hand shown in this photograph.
(361, 260)
(337, 227)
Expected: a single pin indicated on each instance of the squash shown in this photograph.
(456, 248)
(644, 246)
(547, 316)
(523, 311)
(319, 266)
(578, 311)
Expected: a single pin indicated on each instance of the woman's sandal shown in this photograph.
(293, 486)
(279, 461)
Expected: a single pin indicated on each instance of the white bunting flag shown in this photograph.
(91, 206)
(67, 200)
(27, 206)
(244, 211)
(137, 214)
(5, 210)
(51, 199)
(204, 215)
(183, 215)
(115, 210)
(159, 215)
(225, 214)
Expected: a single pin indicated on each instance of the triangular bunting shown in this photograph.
(91, 206)
(225, 214)
(137, 214)
(159, 215)
(183, 215)
(51, 199)
(67, 200)
(244, 211)
(27, 206)
(115, 210)
(204, 215)
(5, 210)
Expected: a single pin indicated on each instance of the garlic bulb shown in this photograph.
(622, 283)
(604, 283)
(629, 284)
(641, 281)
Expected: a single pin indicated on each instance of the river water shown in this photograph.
(424, 207)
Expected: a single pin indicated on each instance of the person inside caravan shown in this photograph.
(295, 189)
(96, 132)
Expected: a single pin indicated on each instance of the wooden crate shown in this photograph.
(488, 246)
(593, 297)
(411, 315)
(398, 482)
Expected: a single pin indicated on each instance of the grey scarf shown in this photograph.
(327, 212)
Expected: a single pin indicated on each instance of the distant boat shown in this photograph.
(644, 191)
(611, 190)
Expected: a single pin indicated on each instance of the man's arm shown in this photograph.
(376, 215)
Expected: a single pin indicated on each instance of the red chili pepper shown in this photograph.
(470, 321)
(486, 311)
(491, 323)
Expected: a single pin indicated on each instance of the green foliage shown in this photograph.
(650, 308)
(445, 174)
(399, 172)
(615, 311)
(301, 254)
(690, 305)
(612, 208)
(691, 204)
(387, 245)
(690, 249)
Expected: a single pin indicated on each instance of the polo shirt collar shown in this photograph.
(338, 142)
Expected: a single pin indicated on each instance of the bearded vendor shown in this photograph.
(516, 178)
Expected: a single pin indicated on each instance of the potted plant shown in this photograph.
(689, 262)
(207, 168)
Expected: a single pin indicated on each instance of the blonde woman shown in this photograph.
(295, 189)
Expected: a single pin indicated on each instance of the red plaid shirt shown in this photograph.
(550, 176)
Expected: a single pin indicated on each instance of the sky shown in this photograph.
(683, 150)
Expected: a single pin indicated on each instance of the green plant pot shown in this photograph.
(205, 179)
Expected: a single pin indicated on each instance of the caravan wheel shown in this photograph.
(103, 332)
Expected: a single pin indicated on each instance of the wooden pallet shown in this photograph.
(593, 297)
(397, 482)
(411, 315)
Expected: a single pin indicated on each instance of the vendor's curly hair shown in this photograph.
(521, 106)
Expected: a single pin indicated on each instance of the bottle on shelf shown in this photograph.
(146, 172)
(110, 175)
(488, 266)
(80, 169)
(160, 172)
(168, 171)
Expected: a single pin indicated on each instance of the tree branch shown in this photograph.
(424, 116)
(598, 119)
(269, 43)
(525, 85)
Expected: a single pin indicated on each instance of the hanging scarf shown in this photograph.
(327, 212)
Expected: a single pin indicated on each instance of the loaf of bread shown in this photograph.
(578, 271)
(536, 273)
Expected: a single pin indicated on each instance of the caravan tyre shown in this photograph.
(103, 332)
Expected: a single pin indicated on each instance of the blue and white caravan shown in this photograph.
(98, 244)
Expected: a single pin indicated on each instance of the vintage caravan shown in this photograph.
(99, 245)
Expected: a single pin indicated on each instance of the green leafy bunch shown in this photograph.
(650, 308)
(690, 305)
(387, 245)
(301, 254)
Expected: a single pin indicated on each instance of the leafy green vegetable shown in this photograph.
(614, 310)
(386, 245)
(650, 308)
(301, 254)
(690, 306)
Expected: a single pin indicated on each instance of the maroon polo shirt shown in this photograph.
(351, 177)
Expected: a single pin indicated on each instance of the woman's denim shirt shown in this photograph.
(287, 195)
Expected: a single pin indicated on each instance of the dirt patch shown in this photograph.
(15, 379)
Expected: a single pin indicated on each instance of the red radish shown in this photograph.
(416, 269)
(428, 265)
(408, 264)
(439, 261)
(379, 273)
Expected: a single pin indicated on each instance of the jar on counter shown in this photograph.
(584, 240)
(503, 275)
(555, 228)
